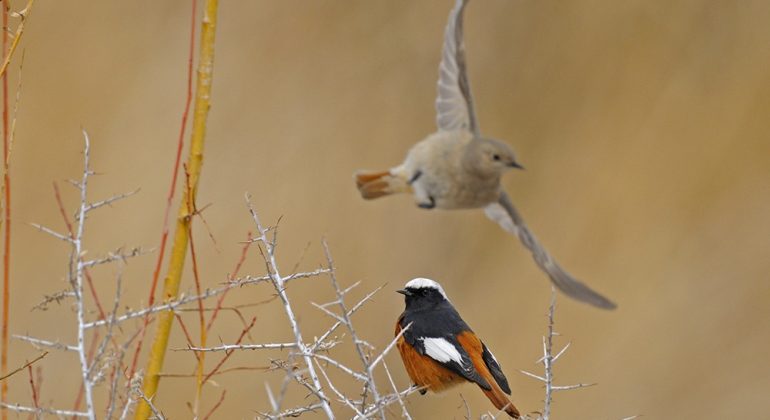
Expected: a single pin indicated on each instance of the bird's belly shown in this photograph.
(456, 194)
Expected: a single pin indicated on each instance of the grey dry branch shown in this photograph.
(548, 359)
(187, 299)
(38, 411)
(280, 288)
(307, 362)
(104, 356)
(345, 318)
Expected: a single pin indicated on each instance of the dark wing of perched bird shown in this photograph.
(495, 369)
(505, 214)
(436, 336)
(454, 103)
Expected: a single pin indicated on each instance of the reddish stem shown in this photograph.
(34, 389)
(63, 212)
(172, 189)
(232, 276)
(186, 334)
(214, 408)
(230, 352)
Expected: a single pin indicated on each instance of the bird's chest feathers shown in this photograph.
(458, 188)
(436, 168)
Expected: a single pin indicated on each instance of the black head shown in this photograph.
(423, 293)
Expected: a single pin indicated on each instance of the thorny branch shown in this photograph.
(548, 361)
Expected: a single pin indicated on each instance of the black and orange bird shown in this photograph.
(439, 349)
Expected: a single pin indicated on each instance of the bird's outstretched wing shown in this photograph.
(454, 104)
(505, 214)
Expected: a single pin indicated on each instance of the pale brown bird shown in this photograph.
(457, 168)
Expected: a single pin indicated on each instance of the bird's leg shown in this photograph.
(421, 195)
(415, 177)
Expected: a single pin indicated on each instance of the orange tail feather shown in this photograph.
(378, 184)
(501, 401)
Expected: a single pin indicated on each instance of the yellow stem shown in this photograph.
(17, 37)
(181, 238)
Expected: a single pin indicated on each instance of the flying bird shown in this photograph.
(439, 350)
(458, 168)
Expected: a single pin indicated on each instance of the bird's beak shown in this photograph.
(516, 165)
(404, 292)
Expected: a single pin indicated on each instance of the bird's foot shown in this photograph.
(429, 205)
(423, 391)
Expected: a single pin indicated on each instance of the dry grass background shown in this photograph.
(643, 126)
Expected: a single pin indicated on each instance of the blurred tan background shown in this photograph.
(643, 126)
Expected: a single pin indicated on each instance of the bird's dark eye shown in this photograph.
(495, 157)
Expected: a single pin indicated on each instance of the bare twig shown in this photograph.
(279, 285)
(216, 406)
(548, 360)
(357, 342)
(109, 201)
(26, 365)
(37, 411)
(76, 278)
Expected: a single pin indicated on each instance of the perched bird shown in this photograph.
(440, 350)
(458, 168)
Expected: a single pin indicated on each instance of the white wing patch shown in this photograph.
(441, 350)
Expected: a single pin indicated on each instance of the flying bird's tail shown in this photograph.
(379, 184)
(505, 214)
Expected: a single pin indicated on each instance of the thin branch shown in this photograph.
(26, 365)
(345, 400)
(33, 388)
(548, 359)
(45, 343)
(238, 265)
(109, 201)
(404, 411)
(294, 412)
(183, 300)
(279, 285)
(368, 368)
(52, 232)
(37, 411)
(231, 347)
(214, 408)
(77, 280)
(229, 353)
(390, 346)
(118, 255)
(23, 14)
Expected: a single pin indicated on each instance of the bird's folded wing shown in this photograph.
(494, 368)
(454, 104)
(448, 352)
(505, 214)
